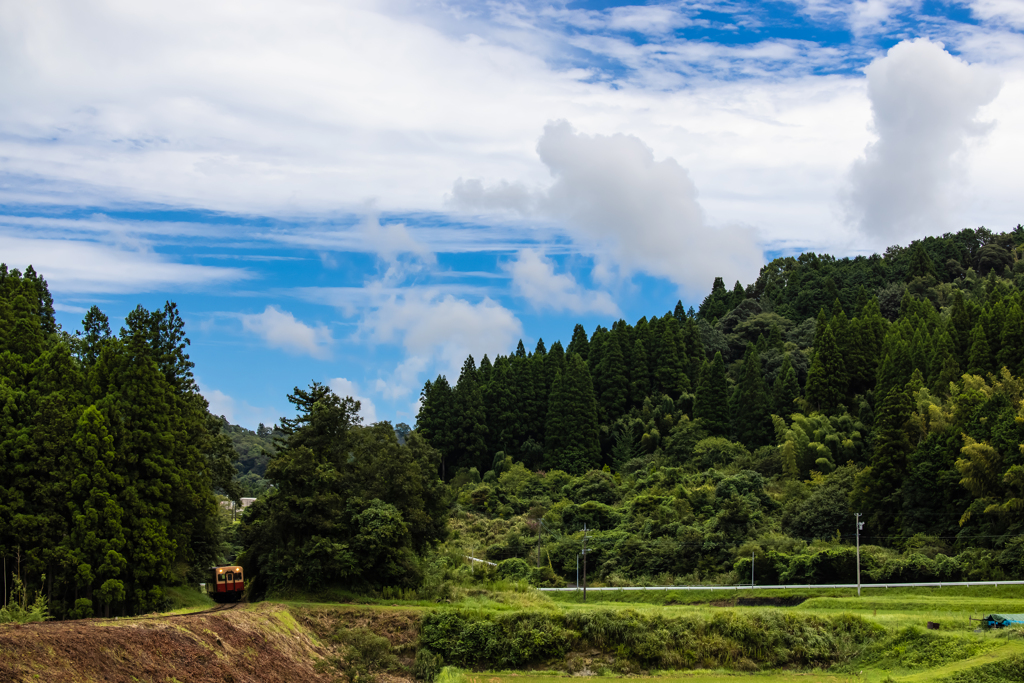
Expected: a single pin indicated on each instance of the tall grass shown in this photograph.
(633, 640)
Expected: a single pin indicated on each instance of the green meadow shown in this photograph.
(727, 636)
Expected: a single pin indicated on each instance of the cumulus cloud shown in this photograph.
(436, 331)
(614, 197)
(281, 330)
(925, 104)
(345, 387)
(534, 278)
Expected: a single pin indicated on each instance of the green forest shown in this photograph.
(690, 443)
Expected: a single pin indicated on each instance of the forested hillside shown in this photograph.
(690, 444)
(108, 456)
(888, 385)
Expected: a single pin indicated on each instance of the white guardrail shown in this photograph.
(940, 584)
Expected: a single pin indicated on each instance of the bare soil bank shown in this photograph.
(261, 644)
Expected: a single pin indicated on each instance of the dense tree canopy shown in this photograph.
(109, 458)
(886, 384)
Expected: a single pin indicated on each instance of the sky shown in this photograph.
(362, 193)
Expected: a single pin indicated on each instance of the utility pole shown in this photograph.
(540, 525)
(584, 563)
(860, 525)
(751, 568)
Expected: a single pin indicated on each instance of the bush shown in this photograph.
(19, 611)
(514, 569)
(728, 639)
(364, 652)
(427, 665)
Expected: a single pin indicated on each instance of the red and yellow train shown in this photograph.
(227, 583)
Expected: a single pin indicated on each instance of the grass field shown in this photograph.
(682, 677)
(908, 653)
(951, 607)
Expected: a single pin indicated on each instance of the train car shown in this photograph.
(227, 583)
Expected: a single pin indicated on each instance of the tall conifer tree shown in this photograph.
(712, 401)
(751, 417)
(572, 442)
(827, 378)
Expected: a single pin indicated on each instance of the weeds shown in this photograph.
(19, 611)
(637, 640)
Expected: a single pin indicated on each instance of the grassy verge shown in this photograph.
(186, 599)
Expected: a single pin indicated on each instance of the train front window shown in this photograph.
(231, 577)
(221, 578)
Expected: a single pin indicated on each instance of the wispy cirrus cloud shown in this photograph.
(80, 266)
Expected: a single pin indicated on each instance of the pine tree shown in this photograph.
(737, 295)
(503, 423)
(579, 344)
(572, 443)
(640, 381)
(979, 360)
(96, 331)
(96, 538)
(1011, 340)
(751, 415)
(819, 328)
(679, 313)
(879, 485)
(470, 438)
(786, 389)
(717, 303)
(961, 326)
(483, 373)
(610, 378)
(669, 368)
(435, 421)
(896, 367)
(827, 379)
(712, 401)
(540, 349)
(943, 368)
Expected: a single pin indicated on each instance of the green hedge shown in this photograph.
(768, 638)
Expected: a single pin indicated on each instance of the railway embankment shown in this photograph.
(532, 639)
(259, 643)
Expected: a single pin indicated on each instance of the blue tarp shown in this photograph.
(1000, 620)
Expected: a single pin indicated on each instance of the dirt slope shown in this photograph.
(258, 644)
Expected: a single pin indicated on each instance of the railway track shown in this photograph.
(218, 608)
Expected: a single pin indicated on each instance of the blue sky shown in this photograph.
(362, 192)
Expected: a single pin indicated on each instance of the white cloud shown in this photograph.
(90, 267)
(534, 278)
(280, 330)
(67, 308)
(220, 403)
(925, 104)
(306, 109)
(437, 332)
(346, 387)
(1008, 11)
(616, 199)
(235, 411)
(405, 376)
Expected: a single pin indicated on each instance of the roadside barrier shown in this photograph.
(939, 584)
